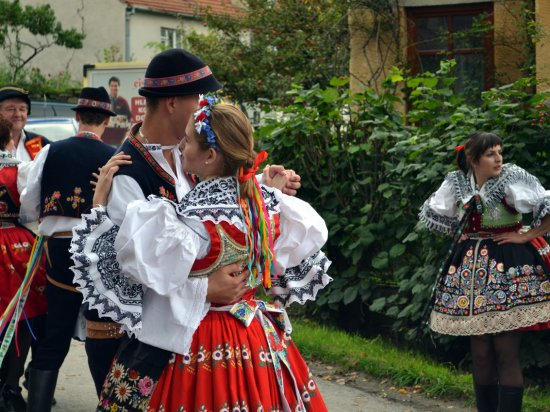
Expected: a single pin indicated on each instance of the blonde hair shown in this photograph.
(235, 138)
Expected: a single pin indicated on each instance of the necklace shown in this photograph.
(144, 140)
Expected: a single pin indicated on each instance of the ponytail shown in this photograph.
(259, 234)
(461, 159)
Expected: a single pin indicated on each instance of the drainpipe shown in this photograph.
(130, 11)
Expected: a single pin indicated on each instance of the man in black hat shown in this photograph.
(15, 106)
(173, 82)
(58, 192)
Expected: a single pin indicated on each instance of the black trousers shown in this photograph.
(100, 353)
(63, 308)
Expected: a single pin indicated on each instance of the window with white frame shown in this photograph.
(171, 38)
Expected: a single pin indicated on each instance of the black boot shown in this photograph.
(486, 397)
(41, 390)
(13, 400)
(510, 398)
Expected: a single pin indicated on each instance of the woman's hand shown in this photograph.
(104, 180)
(287, 181)
(511, 237)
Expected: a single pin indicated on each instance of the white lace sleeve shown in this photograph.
(529, 198)
(440, 211)
(301, 265)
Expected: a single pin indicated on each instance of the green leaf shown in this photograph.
(350, 294)
(380, 261)
(397, 250)
(378, 304)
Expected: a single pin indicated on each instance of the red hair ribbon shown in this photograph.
(459, 148)
(251, 172)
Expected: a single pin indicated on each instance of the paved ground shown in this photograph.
(350, 392)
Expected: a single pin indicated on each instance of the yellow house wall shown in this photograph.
(372, 55)
(508, 41)
(542, 10)
(369, 64)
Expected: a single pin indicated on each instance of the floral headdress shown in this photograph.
(202, 120)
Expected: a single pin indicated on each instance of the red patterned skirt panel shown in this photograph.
(15, 248)
(229, 368)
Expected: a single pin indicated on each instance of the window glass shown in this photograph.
(468, 32)
(432, 33)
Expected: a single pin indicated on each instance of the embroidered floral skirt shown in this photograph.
(15, 249)
(229, 368)
(491, 288)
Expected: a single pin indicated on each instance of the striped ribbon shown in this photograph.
(10, 318)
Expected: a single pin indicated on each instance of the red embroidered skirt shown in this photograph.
(229, 368)
(15, 248)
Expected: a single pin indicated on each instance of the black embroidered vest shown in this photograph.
(151, 177)
(66, 189)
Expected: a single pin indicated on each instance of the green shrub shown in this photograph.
(367, 169)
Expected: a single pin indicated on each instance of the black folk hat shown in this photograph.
(176, 72)
(94, 99)
(13, 92)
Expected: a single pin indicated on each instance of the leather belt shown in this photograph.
(62, 285)
(103, 330)
(66, 233)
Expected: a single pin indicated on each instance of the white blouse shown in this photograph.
(518, 188)
(158, 243)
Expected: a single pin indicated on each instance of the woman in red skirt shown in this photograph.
(15, 247)
(237, 357)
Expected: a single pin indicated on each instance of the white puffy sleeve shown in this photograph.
(440, 211)
(301, 265)
(29, 185)
(529, 196)
(157, 249)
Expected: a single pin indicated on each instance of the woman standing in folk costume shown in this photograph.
(15, 247)
(496, 281)
(225, 358)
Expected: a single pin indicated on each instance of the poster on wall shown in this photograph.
(122, 81)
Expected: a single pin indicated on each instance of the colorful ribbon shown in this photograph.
(14, 310)
(249, 173)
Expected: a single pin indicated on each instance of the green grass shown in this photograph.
(380, 359)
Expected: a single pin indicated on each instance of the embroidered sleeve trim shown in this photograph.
(97, 273)
(541, 210)
(301, 283)
(435, 221)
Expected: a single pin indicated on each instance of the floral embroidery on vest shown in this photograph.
(51, 203)
(75, 198)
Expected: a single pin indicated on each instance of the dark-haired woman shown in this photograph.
(496, 281)
(15, 246)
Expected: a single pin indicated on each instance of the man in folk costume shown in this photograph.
(58, 192)
(15, 106)
(173, 82)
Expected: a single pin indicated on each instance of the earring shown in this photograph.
(205, 163)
